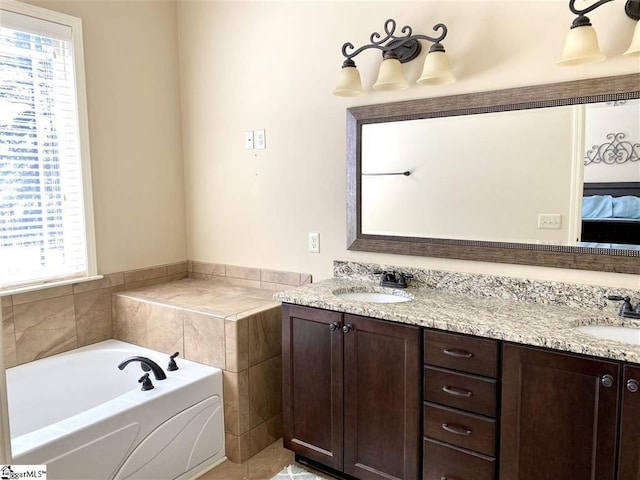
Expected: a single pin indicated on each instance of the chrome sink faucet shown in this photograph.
(627, 310)
(144, 361)
(394, 279)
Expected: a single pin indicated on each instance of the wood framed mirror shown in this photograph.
(574, 254)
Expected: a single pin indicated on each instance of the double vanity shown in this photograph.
(460, 377)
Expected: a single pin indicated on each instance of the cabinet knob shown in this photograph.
(606, 381)
(633, 385)
(334, 326)
(347, 328)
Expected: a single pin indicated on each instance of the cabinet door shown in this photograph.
(382, 365)
(629, 466)
(312, 383)
(559, 416)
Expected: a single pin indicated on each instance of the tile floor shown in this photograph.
(263, 466)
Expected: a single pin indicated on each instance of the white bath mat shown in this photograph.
(296, 472)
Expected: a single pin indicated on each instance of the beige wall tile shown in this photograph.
(42, 294)
(236, 402)
(243, 272)
(237, 448)
(93, 316)
(165, 329)
(176, 276)
(130, 319)
(143, 274)
(275, 276)
(7, 301)
(305, 278)
(265, 391)
(237, 344)
(8, 338)
(265, 434)
(265, 335)
(145, 283)
(204, 338)
(175, 268)
(44, 328)
(107, 281)
(243, 282)
(208, 268)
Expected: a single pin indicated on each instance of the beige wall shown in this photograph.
(272, 65)
(133, 95)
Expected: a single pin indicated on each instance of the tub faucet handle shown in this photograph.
(146, 382)
(173, 366)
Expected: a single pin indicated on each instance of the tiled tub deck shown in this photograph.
(235, 328)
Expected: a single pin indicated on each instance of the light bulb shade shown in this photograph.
(349, 84)
(390, 76)
(634, 48)
(581, 46)
(436, 70)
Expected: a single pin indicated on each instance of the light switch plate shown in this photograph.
(260, 139)
(248, 140)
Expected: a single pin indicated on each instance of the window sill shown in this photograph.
(42, 286)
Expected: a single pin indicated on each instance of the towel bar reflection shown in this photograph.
(406, 173)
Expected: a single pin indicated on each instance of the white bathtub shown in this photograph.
(85, 419)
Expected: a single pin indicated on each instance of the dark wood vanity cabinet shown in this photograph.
(351, 392)
(460, 407)
(560, 417)
(629, 457)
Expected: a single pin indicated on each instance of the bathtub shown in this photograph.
(85, 419)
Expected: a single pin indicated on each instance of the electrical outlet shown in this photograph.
(248, 140)
(314, 242)
(550, 221)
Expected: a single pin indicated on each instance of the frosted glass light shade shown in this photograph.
(581, 46)
(349, 84)
(436, 70)
(634, 48)
(390, 76)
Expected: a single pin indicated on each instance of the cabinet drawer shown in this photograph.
(467, 354)
(459, 390)
(462, 429)
(444, 461)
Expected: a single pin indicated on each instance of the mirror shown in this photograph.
(494, 176)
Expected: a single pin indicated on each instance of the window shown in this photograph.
(46, 220)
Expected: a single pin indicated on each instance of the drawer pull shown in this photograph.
(456, 429)
(633, 385)
(457, 353)
(457, 392)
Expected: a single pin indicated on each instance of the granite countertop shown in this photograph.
(523, 322)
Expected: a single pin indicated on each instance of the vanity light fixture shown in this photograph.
(632, 9)
(581, 44)
(396, 50)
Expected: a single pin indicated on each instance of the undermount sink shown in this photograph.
(373, 297)
(621, 334)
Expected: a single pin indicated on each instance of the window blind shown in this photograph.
(42, 221)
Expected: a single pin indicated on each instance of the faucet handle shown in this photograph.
(173, 366)
(404, 278)
(146, 382)
(625, 306)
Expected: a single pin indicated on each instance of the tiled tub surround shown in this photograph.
(53, 320)
(225, 325)
(523, 311)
